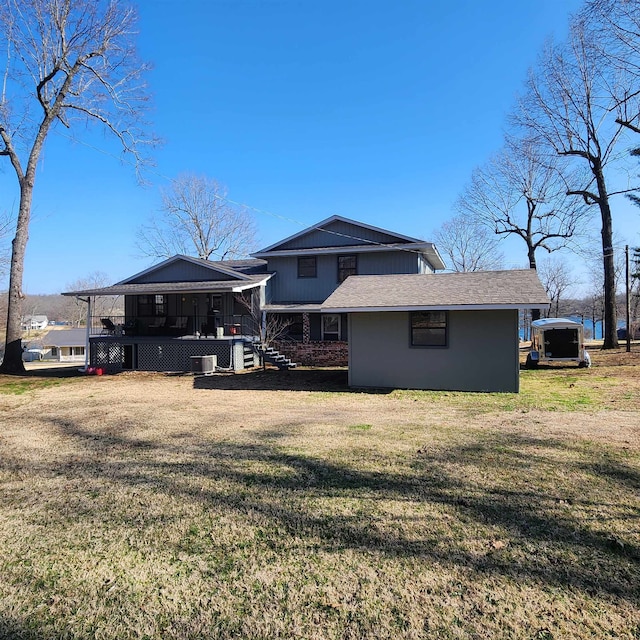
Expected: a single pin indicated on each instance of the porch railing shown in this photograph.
(175, 326)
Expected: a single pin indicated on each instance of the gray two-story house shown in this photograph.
(186, 307)
(309, 266)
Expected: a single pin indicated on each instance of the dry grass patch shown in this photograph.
(152, 506)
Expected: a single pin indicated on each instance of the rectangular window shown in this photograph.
(152, 305)
(428, 328)
(331, 326)
(307, 267)
(347, 266)
(54, 351)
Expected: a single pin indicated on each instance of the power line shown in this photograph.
(243, 205)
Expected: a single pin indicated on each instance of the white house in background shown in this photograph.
(33, 323)
(64, 345)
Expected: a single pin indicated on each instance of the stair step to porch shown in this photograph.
(274, 357)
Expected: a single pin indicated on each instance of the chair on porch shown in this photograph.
(108, 328)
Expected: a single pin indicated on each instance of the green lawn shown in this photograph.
(152, 507)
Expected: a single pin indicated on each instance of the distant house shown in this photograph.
(64, 345)
(32, 323)
(454, 331)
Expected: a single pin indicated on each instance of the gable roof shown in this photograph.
(364, 237)
(65, 338)
(221, 267)
(35, 319)
(514, 289)
(237, 275)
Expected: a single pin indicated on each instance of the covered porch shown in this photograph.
(165, 324)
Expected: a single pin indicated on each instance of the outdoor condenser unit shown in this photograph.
(204, 364)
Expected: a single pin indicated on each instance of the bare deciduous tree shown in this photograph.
(269, 327)
(521, 192)
(557, 279)
(196, 219)
(570, 105)
(468, 245)
(6, 226)
(67, 61)
(102, 306)
(614, 31)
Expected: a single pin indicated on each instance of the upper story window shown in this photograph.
(152, 305)
(307, 267)
(428, 328)
(347, 266)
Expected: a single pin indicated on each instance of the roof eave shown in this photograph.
(165, 287)
(441, 307)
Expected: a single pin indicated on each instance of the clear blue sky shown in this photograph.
(377, 110)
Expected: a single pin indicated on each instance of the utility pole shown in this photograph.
(628, 302)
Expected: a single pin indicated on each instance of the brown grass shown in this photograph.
(282, 505)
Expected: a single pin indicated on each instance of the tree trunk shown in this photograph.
(12, 362)
(610, 329)
(531, 253)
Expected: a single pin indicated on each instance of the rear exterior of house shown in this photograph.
(186, 307)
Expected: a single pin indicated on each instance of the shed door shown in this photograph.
(561, 343)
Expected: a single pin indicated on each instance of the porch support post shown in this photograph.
(87, 333)
(306, 328)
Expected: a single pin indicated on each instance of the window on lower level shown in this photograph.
(331, 326)
(428, 328)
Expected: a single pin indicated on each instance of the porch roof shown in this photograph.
(308, 307)
(202, 286)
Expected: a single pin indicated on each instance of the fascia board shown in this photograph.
(460, 307)
(413, 248)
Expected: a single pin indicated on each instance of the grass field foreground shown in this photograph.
(276, 505)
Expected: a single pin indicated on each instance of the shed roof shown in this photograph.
(514, 289)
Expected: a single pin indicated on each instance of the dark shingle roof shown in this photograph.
(208, 286)
(494, 289)
(65, 338)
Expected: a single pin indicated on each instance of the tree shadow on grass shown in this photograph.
(551, 537)
(326, 380)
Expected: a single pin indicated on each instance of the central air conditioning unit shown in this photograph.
(204, 364)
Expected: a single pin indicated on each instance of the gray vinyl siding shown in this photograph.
(181, 271)
(482, 353)
(344, 234)
(286, 287)
(424, 266)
